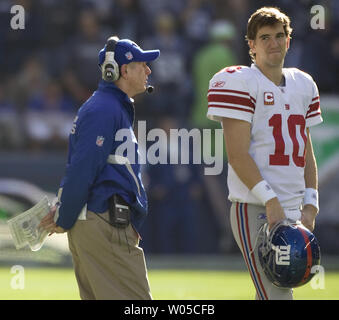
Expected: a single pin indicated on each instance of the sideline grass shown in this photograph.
(60, 284)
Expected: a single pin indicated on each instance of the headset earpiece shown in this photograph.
(110, 68)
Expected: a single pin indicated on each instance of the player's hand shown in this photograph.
(274, 212)
(308, 214)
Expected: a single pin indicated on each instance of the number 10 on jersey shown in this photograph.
(279, 158)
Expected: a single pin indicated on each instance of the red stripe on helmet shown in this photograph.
(309, 254)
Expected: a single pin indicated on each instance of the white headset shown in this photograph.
(110, 68)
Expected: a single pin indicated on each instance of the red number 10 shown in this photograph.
(279, 158)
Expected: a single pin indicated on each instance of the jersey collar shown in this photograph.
(283, 83)
(111, 87)
(127, 102)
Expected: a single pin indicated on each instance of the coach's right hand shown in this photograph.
(274, 212)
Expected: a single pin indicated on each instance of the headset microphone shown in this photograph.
(149, 89)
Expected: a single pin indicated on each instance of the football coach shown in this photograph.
(101, 200)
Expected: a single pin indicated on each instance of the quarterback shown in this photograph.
(266, 111)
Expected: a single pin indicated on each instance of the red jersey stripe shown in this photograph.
(313, 115)
(233, 91)
(229, 107)
(313, 107)
(231, 99)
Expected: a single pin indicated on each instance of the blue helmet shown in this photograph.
(287, 254)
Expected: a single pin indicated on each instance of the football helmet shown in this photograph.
(287, 254)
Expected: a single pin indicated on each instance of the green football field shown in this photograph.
(46, 283)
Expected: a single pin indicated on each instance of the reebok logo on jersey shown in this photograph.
(268, 98)
(218, 84)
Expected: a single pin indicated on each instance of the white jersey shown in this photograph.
(279, 117)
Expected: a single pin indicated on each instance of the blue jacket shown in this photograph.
(90, 177)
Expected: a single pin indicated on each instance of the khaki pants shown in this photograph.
(105, 266)
(246, 220)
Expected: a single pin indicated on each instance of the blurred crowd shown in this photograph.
(48, 69)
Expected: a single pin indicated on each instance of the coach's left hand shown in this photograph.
(308, 214)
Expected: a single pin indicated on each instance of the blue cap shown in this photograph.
(127, 51)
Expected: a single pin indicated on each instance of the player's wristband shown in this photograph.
(263, 191)
(311, 197)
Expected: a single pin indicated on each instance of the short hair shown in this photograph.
(266, 16)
